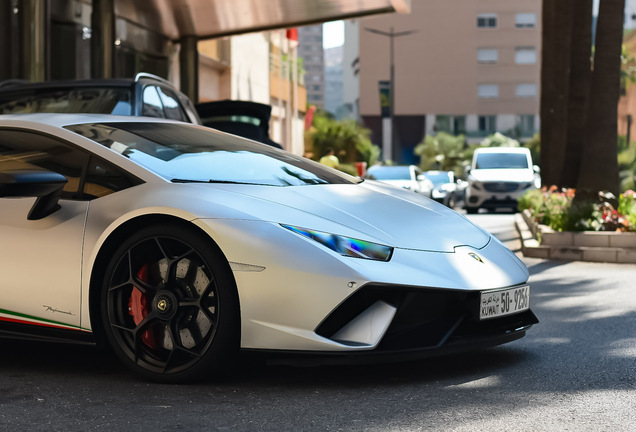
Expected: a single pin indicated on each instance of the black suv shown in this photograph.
(145, 95)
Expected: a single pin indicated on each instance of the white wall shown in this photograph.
(250, 68)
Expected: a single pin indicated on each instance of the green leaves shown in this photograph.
(349, 140)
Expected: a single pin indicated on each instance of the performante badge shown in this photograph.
(476, 257)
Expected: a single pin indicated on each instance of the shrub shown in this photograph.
(627, 207)
(349, 140)
(560, 211)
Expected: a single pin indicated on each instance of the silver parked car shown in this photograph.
(179, 245)
(444, 187)
(404, 176)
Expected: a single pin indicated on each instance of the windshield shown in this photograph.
(501, 161)
(439, 177)
(389, 173)
(185, 153)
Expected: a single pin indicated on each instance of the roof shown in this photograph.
(503, 150)
(61, 120)
(16, 84)
(214, 18)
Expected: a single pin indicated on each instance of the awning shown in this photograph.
(215, 18)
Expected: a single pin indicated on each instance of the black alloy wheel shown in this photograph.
(169, 305)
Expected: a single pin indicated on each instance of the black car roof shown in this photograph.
(16, 85)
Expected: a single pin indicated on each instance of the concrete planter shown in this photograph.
(542, 242)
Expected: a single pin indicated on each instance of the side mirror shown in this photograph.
(536, 169)
(46, 186)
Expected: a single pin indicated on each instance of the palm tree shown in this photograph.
(557, 23)
(579, 92)
(599, 165)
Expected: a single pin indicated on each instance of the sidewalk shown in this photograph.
(581, 246)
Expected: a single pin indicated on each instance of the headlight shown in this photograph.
(346, 246)
(476, 185)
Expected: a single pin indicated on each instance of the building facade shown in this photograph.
(311, 51)
(75, 39)
(469, 67)
(351, 69)
(333, 81)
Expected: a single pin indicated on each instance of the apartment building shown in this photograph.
(311, 51)
(259, 67)
(351, 69)
(333, 81)
(469, 67)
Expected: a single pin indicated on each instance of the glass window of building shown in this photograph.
(487, 20)
(525, 20)
(525, 55)
(526, 124)
(459, 125)
(488, 91)
(526, 91)
(487, 124)
(487, 55)
(443, 123)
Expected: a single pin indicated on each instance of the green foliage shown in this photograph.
(349, 140)
(535, 148)
(626, 162)
(532, 201)
(561, 212)
(288, 65)
(627, 207)
(499, 140)
(442, 152)
(549, 208)
(628, 68)
(349, 169)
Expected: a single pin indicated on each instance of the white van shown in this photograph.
(498, 176)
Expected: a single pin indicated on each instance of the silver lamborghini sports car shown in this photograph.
(179, 245)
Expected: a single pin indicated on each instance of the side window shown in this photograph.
(103, 179)
(171, 105)
(21, 150)
(152, 106)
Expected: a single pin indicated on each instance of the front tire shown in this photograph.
(169, 305)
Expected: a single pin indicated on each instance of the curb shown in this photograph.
(584, 251)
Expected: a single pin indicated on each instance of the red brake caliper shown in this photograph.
(138, 308)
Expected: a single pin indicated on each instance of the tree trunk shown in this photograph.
(579, 91)
(557, 22)
(599, 164)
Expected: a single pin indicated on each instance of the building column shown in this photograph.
(102, 38)
(189, 67)
(35, 39)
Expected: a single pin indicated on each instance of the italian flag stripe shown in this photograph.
(20, 318)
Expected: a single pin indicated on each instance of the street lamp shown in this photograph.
(388, 138)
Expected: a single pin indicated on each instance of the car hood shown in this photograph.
(399, 183)
(367, 211)
(510, 175)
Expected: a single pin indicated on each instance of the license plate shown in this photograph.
(496, 304)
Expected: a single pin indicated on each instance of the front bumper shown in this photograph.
(495, 194)
(427, 322)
